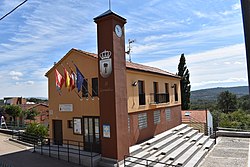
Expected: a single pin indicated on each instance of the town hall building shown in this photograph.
(119, 103)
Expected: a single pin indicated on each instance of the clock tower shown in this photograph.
(112, 86)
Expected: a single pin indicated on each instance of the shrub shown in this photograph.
(37, 130)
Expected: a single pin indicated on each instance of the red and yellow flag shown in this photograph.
(67, 79)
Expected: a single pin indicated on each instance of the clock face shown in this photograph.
(118, 30)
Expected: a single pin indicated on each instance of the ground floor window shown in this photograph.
(168, 114)
(157, 117)
(142, 120)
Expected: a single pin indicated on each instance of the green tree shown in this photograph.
(227, 101)
(244, 103)
(31, 114)
(183, 72)
(13, 110)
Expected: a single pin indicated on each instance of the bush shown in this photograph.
(37, 130)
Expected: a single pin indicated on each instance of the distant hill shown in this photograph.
(212, 93)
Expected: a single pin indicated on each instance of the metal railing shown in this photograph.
(200, 126)
(143, 162)
(159, 98)
(70, 150)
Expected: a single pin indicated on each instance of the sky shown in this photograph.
(41, 32)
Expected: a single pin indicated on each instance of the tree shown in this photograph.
(13, 111)
(31, 114)
(227, 102)
(183, 72)
(244, 103)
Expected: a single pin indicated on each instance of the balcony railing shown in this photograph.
(159, 98)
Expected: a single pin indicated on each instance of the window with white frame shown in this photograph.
(157, 117)
(142, 120)
(168, 114)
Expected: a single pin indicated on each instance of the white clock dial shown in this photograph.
(118, 30)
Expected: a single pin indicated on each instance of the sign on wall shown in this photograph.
(77, 126)
(106, 131)
(66, 107)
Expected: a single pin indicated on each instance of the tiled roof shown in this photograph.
(136, 66)
(30, 106)
(87, 53)
(145, 68)
(199, 115)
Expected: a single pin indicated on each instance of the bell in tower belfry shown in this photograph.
(112, 86)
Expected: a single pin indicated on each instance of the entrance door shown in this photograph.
(57, 132)
(92, 134)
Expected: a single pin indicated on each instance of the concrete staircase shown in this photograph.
(181, 146)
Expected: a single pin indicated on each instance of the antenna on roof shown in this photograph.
(129, 49)
(109, 4)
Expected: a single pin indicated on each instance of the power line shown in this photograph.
(13, 10)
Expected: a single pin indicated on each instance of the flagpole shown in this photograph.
(87, 83)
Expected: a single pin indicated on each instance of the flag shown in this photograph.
(59, 81)
(67, 79)
(80, 79)
(72, 80)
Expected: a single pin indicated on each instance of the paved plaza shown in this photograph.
(229, 152)
(16, 155)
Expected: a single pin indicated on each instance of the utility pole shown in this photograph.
(129, 49)
(245, 7)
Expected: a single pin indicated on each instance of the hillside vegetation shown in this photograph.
(230, 107)
(212, 93)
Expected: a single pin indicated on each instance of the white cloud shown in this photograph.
(220, 66)
(236, 6)
(16, 73)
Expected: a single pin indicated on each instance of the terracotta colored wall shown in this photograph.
(138, 135)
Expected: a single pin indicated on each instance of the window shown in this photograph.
(168, 114)
(70, 124)
(141, 93)
(157, 117)
(85, 88)
(142, 120)
(167, 91)
(175, 93)
(94, 86)
(155, 87)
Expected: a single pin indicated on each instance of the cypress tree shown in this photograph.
(183, 72)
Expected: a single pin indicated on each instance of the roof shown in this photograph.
(140, 67)
(129, 65)
(30, 106)
(107, 13)
(198, 115)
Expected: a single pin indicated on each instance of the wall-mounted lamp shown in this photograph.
(134, 83)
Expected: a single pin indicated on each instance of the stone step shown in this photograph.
(195, 160)
(184, 158)
(156, 139)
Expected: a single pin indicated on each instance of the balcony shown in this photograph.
(158, 98)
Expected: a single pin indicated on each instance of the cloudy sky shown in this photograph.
(41, 32)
